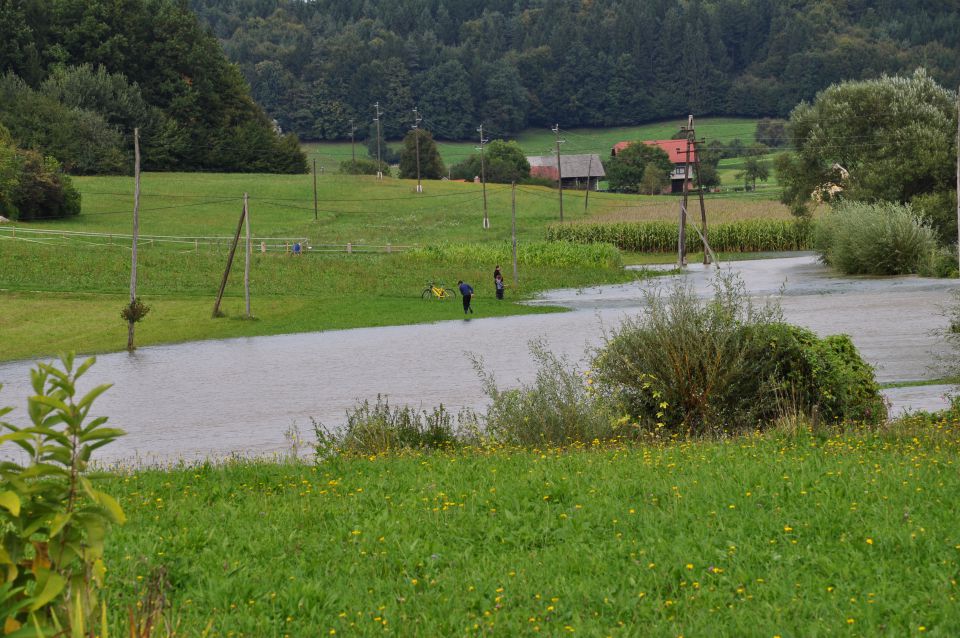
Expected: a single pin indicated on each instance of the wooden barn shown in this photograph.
(579, 172)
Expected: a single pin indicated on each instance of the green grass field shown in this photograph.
(64, 291)
(774, 535)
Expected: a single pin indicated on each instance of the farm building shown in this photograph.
(578, 171)
(677, 150)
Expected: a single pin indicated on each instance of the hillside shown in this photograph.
(77, 77)
(318, 66)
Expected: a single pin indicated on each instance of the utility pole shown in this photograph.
(513, 197)
(483, 178)
(682, 232)
(586, 197)
(131, 321)
(315, 189)
(377, 120)
(556, 131)
(708, 255)
(353, 148)
(958, 174)
(246, 261)
(416, 137)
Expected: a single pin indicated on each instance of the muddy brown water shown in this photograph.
(245, 396)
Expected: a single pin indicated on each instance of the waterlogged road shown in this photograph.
(215, 398)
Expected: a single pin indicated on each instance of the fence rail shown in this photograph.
(53, 237)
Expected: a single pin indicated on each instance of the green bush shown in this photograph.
(753, 235)
(698, 366)
(380, 428)
(875, 239)
(559, 408)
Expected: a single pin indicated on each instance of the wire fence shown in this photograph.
(184, 243)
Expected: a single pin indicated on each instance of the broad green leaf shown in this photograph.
(84, 367)
(52, 586)
(11, 501)
(103, 433)
(5, 557)
(97, 422)
(49, 401)
(89, 397)
(87, 487)
(112, 506)
(59, 520)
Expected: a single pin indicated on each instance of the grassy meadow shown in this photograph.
(65, 291)
(781, 534)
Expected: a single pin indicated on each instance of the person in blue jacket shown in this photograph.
(466, 291)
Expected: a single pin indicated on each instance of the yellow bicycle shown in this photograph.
(438, 291)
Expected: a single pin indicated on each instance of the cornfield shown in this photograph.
(555, 252)
(753, 235)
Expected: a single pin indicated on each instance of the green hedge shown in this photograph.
(752, 235)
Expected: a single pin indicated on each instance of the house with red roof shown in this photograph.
(677, 151)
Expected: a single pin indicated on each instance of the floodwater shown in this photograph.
(246, 396)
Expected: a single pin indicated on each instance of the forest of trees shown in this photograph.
(76, 76)
(317, 65)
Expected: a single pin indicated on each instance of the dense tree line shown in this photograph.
(78, 76)
(316, 66)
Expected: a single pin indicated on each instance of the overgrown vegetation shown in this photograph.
(697, 366)
(559, 408)
(749, 235)
(880, 239)
(382, 429)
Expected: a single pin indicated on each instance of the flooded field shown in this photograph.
(245, 395)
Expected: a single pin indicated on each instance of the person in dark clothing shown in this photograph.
(466, 291)
(498, 282)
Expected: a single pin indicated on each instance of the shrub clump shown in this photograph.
(559, 408)
(381, 428)
(721, 365)
(877, 239)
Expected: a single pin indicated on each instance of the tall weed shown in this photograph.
(380, 428)
(560, 407)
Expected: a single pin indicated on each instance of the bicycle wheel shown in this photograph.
(427, 293)
(449, 293)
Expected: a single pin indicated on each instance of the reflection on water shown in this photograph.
(242, 395)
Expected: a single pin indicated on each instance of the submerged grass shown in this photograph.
(780, 534)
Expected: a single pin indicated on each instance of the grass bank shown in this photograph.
(780, 534)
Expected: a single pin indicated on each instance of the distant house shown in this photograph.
(677, 150)
(578, 171)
